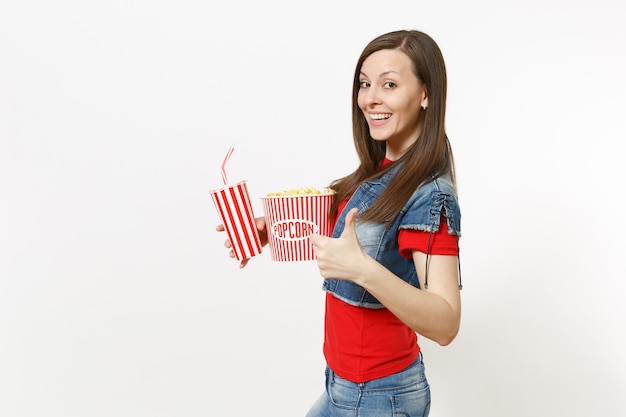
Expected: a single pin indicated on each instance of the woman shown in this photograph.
(391, 268)
(392, 271)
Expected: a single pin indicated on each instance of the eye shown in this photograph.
(364, 84)
(389, 85)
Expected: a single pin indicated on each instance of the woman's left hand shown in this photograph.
(341, 257)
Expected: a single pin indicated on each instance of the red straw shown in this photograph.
(230, 152)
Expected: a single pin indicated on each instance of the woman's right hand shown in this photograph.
(260, 225)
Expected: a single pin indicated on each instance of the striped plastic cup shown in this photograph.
(233, 205)
(291, 219)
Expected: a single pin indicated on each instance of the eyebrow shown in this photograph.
(382, 74)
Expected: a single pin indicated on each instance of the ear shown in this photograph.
(424, 100)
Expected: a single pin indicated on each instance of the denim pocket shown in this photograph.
(412, 403)
(343, 396)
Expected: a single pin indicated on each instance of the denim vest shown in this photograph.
(421, 212)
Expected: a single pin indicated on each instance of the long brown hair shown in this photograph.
(429, 157)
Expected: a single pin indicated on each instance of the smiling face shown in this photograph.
(391, 99)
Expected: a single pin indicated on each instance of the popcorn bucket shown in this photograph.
(233, 205)
(291, 220)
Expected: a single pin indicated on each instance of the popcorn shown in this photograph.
(292, 216)
(301, 191)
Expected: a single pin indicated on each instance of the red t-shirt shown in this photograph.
(361, 344)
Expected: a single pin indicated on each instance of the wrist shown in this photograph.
(365, 270)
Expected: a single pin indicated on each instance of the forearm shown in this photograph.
(429, 313)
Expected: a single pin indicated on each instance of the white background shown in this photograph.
(117, 297)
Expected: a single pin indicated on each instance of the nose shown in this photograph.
(371, 97)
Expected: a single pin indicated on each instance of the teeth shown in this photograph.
(380, 116)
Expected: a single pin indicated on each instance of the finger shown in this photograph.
(220, 228)
(349, 229)
(318, 240)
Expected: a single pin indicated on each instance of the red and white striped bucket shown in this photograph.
(233, 205)
(291, 219)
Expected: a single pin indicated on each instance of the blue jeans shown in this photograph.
(406, 394)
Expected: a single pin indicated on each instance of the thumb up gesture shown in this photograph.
(340, 257)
